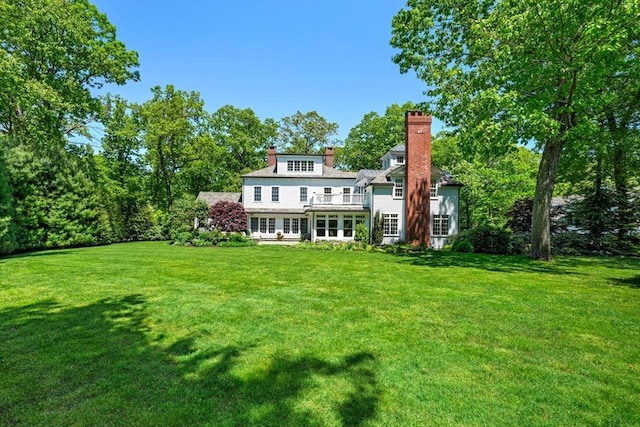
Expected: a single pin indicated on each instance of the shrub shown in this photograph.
(228, 216)
(378, 229)
(236, 244)
(237, 237)
(362, 233)
(520, 243)
(461, 245)
(487, 239)
(571, 244)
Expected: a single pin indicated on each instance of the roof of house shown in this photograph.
(327, 172)
(214, 197)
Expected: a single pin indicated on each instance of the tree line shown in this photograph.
(574, 103)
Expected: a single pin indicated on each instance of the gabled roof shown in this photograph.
(214, 197)
(398, 149)
(327, 172)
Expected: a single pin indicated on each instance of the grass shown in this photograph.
(150, 334)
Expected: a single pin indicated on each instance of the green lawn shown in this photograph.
(150, 334)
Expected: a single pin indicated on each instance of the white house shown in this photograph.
(302, 196)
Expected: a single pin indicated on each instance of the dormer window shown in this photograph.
(300, 165)
(400, 160)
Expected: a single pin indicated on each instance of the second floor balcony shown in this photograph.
(337, 199)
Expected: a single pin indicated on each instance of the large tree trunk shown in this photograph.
(541, 221)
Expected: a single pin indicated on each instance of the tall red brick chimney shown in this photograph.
(418, 178)
(271, 156)
(328, 157)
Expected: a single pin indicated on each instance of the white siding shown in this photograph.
(289, 190)
(382, 200)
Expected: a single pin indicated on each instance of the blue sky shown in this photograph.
(273, 56)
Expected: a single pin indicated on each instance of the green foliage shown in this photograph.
(211, 238)
(492, 184)
(504, 72)
(461, 245)
(52, 54)
(362, 233)
(184, 213)
(7, 228)
(520, 243)
(486, 239)
(174, 130)
(240, 146)
(305, 133)
(378, 229)
(370, 139)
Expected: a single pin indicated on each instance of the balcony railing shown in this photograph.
(337, 199)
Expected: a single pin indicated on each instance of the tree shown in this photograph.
(370, 139)
(174, 126)
(121, 176)
(241, 140)
(228, 216)
(305, 133)
(491, 183)
(7, 227)
(506, 72)
(52, 54)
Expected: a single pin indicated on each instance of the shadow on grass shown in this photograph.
(632, 282)
(94, 365)
(512, 263)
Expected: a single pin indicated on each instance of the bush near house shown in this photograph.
(487, 239)
(228, 217)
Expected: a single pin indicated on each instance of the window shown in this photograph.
(434, 190)
(303, 194)
(440, 225)
(359, 219)
(304, 225)
(291, 226)
(321, 225)
(257, 194)
(275, 194)
(347, 226)
(397, 188)
(272, 225)
(333, 225)
(254, 225)
(263, 225)
(327, 195)
(346, 195)
(390, 224)
(299, 165)
(400, 160)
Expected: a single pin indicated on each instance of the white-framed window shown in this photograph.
(359, 219)
(346, 195)
(263, 225)
(300, 165)
(390, 224)
(255, 225)
(400, 160)
(272, 225)
(303, 194)
(440, 225)
(434, 190)
(327, 195)
(286, 226)
(257, 193)
(321, 225)
(398, 188)
(333, 225)
(295, 225)
(275, 194)
(347, 225)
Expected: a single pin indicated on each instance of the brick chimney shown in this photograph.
(418, 177)
(328, 157)
(271, 156)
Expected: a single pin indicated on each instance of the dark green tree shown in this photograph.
(305, 133)
(504, 72)
(370, 139)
